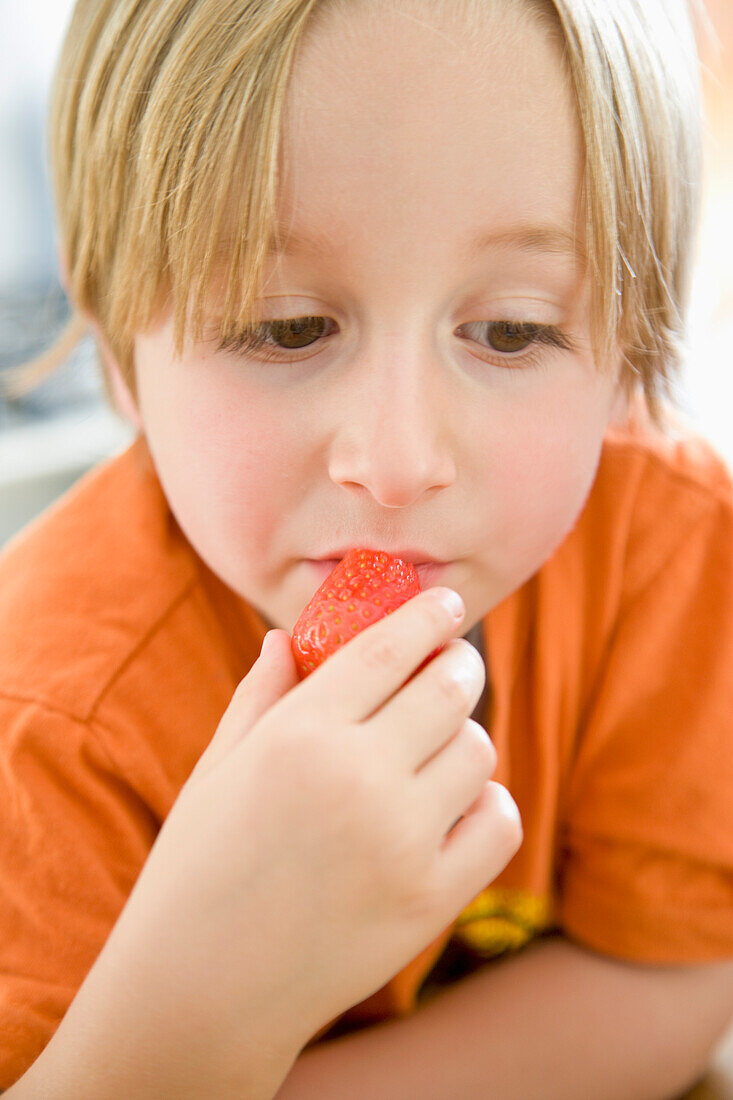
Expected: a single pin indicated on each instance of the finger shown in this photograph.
(374, 664)
(428, 712)
(448, 785)
(273, 674)
(479, 847)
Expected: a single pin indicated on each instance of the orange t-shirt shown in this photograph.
(611, 708)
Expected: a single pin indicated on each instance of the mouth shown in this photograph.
(429, 572)
(413, 556)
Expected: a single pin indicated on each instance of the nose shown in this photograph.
(394, 428)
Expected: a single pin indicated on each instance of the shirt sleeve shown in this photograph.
(73, 839)
(646, 840)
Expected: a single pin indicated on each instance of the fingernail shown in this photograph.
(452, 601)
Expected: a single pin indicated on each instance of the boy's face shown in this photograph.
(439, 174)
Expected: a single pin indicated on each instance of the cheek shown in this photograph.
(225, 458)
(246, 466)
(547, 464)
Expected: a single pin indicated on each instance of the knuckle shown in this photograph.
(363, 789)
(471, 658)
(480, 746)
(378, 651)
(455, 688)
(513, 837)
(459, 676)
(507, 821)
(344, 793)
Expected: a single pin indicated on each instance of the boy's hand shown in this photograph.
(316, 847)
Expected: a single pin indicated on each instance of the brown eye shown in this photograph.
(509, 336)
(268, 338)
(296, 332)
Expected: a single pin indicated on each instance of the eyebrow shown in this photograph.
(525, 237)
(529, 238)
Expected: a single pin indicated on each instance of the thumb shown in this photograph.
(273, 674)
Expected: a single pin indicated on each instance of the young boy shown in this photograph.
(454, 348)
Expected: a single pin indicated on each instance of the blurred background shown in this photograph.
(55, 433)
(64, 426)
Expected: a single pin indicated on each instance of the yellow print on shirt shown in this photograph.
(502, 919)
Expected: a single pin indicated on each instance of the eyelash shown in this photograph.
(253, 341)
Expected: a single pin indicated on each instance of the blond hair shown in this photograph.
(165, 126)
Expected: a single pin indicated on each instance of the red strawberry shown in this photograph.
(364, 587)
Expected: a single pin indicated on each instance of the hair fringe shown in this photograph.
(164, 135)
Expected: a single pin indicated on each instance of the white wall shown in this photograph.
(30, 36)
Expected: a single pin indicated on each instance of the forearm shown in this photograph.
(108, 1069)
(128, 1032)
(555, 1021)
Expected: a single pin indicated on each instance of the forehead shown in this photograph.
(406, 119)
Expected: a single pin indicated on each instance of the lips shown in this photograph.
(428, 572)
(414, 556)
